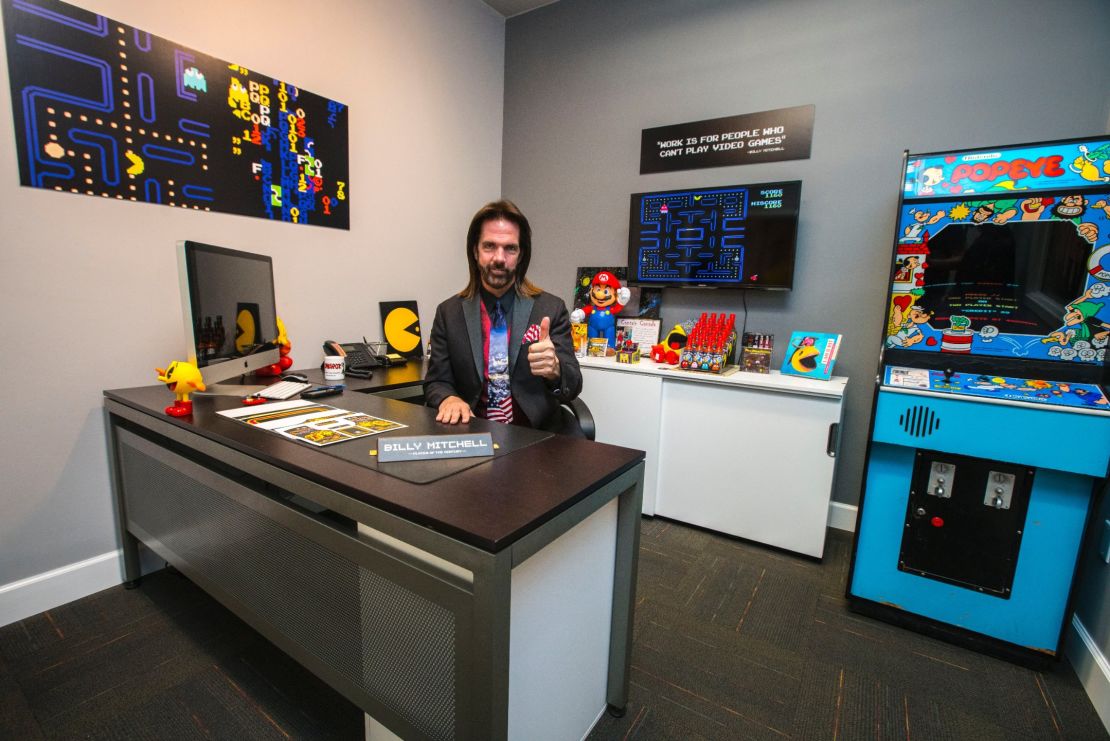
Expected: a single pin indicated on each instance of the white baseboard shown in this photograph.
(26, 597)
(842, 516)
(1092, 668)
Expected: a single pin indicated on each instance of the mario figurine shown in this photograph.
(607, 298)
(182, 379)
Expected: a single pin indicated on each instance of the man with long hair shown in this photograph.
(501, 348)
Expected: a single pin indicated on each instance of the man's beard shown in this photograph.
(497, 277)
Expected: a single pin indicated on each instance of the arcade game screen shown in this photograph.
(739, 236)
(1006, 264)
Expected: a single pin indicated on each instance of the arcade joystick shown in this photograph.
(948, 375)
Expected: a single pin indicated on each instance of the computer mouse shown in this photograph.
(294, 377)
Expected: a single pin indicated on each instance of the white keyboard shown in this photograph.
(283, 390)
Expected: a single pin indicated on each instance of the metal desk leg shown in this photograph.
(624, 596)
(132, 570)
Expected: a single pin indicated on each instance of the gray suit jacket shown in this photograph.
(456, 365)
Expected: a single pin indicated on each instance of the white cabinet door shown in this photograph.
(625, 407)
(748, 462)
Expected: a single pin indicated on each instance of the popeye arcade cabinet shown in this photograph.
(991, 428)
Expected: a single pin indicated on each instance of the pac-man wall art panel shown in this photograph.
(105, 109)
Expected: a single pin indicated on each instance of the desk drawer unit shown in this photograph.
(267, 561)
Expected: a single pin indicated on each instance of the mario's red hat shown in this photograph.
(605, 278)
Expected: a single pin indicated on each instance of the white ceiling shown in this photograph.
(509, 8)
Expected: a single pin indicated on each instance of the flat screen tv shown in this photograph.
(734, 236)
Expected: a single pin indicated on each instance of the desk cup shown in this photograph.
(333, 367)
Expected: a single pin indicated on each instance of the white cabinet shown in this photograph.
(746, 454)
(626, 410)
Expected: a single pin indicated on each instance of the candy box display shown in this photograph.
(710, 343)
(598, 347)
(755, 352)
(627, 350)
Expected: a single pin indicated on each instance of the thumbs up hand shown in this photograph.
(541, 354)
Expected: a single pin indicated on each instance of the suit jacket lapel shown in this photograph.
(472, 313)
(522, 313)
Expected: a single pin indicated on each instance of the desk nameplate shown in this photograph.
(434, 447)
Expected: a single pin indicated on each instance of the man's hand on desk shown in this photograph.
(541, 354)
(454, 410)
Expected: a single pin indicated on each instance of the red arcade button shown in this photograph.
(937, 522)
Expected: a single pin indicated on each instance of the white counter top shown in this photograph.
(733, 376)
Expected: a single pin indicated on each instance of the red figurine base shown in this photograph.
(180, 409)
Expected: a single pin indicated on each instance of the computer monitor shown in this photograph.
(227, 302)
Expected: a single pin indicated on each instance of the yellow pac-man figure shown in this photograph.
(182, 379)
(401, 327)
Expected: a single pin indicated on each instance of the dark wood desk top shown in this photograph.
(489, 506)
(384, 379)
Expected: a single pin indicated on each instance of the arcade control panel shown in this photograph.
(964, 521)
(1053, 393)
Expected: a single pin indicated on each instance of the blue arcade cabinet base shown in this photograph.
(972, 528)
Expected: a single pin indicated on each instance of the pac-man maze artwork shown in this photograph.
(105, 109)
(696, 234)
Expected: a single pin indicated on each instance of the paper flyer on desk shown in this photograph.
(318, 424)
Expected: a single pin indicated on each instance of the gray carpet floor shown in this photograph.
(732, 641)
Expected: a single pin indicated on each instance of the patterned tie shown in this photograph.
(500, 406)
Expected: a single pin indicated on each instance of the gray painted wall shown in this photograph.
(583, 77)
(88, 286)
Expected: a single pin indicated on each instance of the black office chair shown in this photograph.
(575, 420)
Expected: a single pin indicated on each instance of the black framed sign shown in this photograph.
(766, 136)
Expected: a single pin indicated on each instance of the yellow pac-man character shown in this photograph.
(246, 328)
(401, 328)
(182, 379)
(804, 357)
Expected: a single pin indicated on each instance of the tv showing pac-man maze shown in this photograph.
(736, 236)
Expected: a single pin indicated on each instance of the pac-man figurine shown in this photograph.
(182, 379)
(284, 346)
(667, 350)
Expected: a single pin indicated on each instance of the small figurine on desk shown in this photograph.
(667, 351)
(607, 298)
(284, 346)
(182, 379)
(627, 350)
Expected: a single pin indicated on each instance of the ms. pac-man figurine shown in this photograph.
(285, 362)
(182, 379)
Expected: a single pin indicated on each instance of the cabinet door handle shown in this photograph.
(834, 438)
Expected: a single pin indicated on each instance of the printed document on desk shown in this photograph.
(317, 424)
